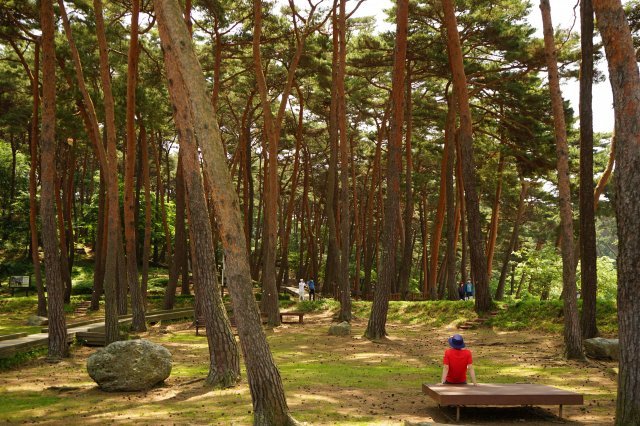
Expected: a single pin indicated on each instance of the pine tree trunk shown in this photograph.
(269, 302)
(68, 208)
(160, 197)
(438, 221)
(465, 135)
(588, 257)
(333, 259)
(625, 83)
(524, 186)
(572, 333)
(358, 230)
(376, 328)
(33, 186)
(495, 219)
(146, 180)
(179, 249)
(224, 370)
(58, 347)
(265, 384)
(99, 255)
(103, 256)
(606, 175)
(64, 257)
(450, 130)
(407, 250)
(461, 227)
(295, 177)
(369, 231)
(113, 216)
(345, 219)
(137, 305)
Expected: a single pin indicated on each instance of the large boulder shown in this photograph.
(600, 348)
(37, 320)
(342, 329)
(129, 365)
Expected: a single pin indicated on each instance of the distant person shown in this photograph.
(468, 289)
(312, 289)
(301, 289)
(461, 291)
(457, 361)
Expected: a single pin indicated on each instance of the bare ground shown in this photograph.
(328, 380)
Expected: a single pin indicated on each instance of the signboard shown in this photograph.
(20, 282)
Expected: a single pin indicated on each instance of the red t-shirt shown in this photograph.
(457, 360)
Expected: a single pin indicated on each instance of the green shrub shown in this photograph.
(82, 287)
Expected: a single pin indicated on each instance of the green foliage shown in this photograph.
(548, 316)
(157, 285)
(542, 269)
(318, 305)
(82, 287)
(15, 361)
(607, 278)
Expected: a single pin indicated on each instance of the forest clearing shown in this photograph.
(328, 379)
(285, 211)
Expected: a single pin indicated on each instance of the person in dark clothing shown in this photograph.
(468, 290)
(461, 291)
(312, 289)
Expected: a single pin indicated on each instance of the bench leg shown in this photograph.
(560, 411)
(457, 413)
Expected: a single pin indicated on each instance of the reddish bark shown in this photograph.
(572, 333)
(625, 84)
(269, 403)
(376, 328)
(137, 304)
(465, 135)
(58, 347)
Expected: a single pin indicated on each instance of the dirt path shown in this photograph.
(328, 380)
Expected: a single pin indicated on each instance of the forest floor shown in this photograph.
(328, 380)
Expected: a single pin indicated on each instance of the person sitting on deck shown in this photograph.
(457, 361)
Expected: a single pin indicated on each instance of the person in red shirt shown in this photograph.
(457, 361)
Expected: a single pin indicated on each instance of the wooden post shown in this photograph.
(458, 413)
(560, 411)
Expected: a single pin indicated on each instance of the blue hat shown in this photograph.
(456, 341)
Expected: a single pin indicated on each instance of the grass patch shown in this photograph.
(20, 358)
(548, 316)
(20, 403)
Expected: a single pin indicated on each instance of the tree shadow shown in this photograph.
(497, 415)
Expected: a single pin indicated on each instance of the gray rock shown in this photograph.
(36, 320)
(342, 329)
(600, 348)
(129, 365)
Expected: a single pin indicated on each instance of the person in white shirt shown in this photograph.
(301, 289)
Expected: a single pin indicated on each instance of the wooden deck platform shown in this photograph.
(500, 394)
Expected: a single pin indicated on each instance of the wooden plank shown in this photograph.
(12, 336)
(501, 394)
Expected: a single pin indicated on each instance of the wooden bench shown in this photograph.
(20, 283)
(500, 394)
(298, 314)
(91, 338)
